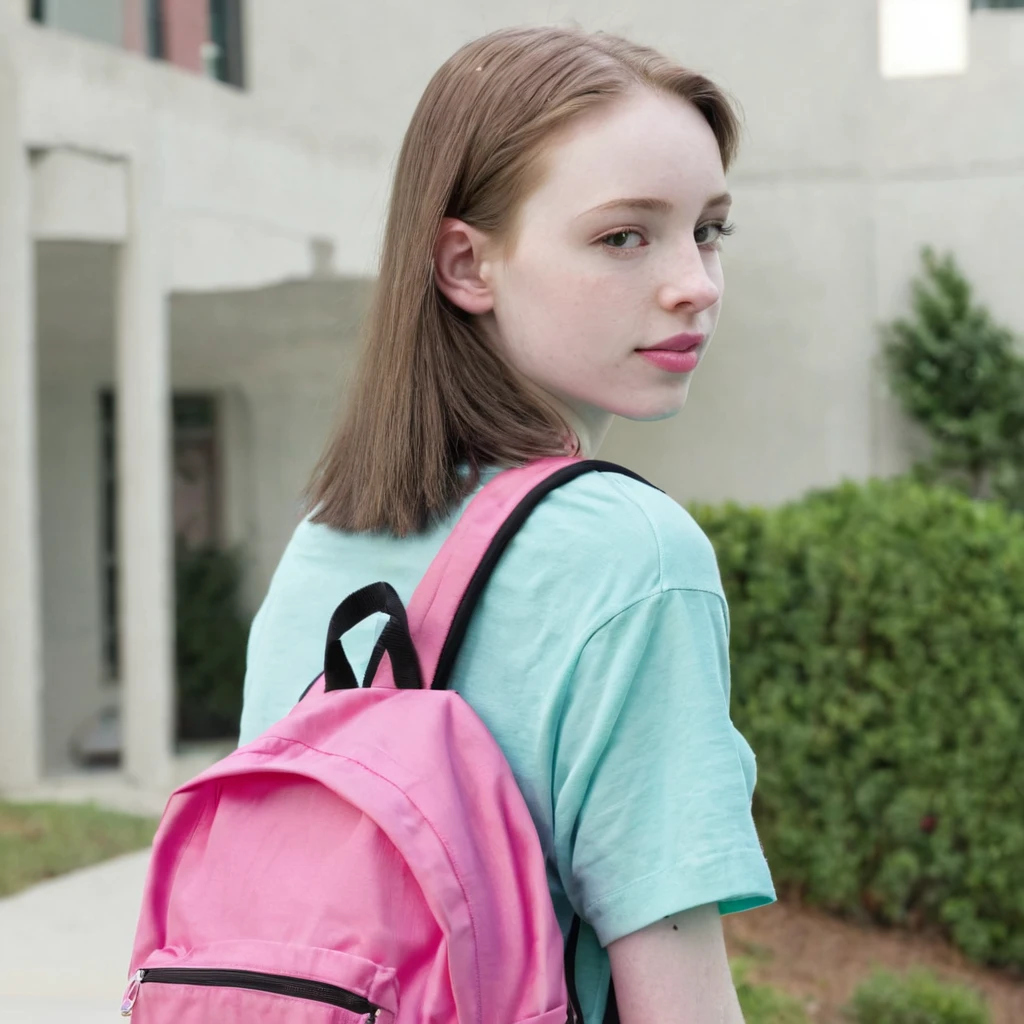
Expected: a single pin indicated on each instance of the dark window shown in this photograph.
(983, 4)
(196, 484)
(37, 11)
(195, 495)
(155, 46)
(226, 37)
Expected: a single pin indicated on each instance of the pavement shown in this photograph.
(65, 944)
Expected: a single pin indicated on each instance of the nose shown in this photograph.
(691, 281)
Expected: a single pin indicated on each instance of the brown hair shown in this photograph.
(431, 395)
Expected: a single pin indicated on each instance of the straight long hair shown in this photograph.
(432, 402)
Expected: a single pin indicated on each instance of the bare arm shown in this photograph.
(675, 972)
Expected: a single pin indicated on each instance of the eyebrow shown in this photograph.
(653, 204)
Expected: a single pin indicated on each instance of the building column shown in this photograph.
(145, 544)
(21, 675)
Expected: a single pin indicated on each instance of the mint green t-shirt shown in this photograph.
(598, 659)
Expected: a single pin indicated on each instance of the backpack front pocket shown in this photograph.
(212, 985)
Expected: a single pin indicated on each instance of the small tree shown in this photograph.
(958, 374)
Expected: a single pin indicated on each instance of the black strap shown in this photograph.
(504, 535)
(397, 643)
(611, 1012)
(380, 648)
(571, 945)
(457, 633)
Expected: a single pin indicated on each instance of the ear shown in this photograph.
(461, 266)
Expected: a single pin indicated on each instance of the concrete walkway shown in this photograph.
(65, 945)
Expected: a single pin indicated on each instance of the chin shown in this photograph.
(653, 417)
(655, 411)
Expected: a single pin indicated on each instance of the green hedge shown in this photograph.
(878, 672)
(916, 998)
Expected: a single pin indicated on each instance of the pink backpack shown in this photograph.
(370, 857)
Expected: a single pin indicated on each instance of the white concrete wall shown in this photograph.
(788, 63)
(246, 190)
(290, 422)
(784, 398)
(75, 686)
(843, 176)
(830, 230)
(276, 414)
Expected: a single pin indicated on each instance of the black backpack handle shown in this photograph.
(395, 640)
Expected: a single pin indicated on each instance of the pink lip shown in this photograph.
(678, 343)
(675, 355)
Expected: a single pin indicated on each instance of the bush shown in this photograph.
(762, 1004)
(211, 639)
(958, 374)
(878, 664)
(916, 998)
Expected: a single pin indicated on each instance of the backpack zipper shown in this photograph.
(278, 984)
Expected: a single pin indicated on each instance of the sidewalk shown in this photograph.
(65, 945)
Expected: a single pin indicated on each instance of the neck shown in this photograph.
(590, 432)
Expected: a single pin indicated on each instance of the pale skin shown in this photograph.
(616, 250)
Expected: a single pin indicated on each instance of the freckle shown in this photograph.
(675, 927)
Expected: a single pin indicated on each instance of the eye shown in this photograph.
(712, 233)
(627, 238)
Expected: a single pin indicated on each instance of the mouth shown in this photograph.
(677, 355)
(677, 343)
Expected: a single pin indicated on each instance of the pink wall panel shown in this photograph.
(134, 37)
(186, 29)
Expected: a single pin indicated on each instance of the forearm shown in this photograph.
(676, 971)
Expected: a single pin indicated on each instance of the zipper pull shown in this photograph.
(132, 993)
(374, 1014)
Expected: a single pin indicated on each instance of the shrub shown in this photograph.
(878, 672)
(916, 998)
(762, 1004)
(211, 639)
(959, 376)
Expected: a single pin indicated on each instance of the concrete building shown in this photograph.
(191, 195)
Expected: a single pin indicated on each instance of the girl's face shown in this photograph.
(615, 254)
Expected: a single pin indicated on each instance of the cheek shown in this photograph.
(579, 308)
(548, 307)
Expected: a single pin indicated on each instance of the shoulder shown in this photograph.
(611, 525)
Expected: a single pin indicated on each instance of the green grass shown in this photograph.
(40, 841)
(763, 1004)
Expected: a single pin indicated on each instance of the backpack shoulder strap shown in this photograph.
(443, 604)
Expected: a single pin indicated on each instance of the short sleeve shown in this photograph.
(652, 784)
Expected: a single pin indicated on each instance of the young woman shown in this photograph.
(551, 261)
